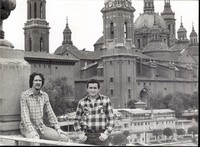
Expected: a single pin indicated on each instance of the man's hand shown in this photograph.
(82, 137)
(34, 134)
(61, 133)
(103, 136)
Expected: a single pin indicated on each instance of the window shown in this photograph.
(111, 79)
(111, 92)
(129, 93)
(41, 11)
(111, 31)
(125, 125)
(41, 44)
(30, 44)
(129, 79)
(35, 10)
(138, 41)
(125, 30)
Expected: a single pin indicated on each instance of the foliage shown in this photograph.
(59, 92)
(176, 104)
(180, 131)
(131, 104)
(156, 102)
(193, 130)
(167, 132)
(120, 140)
(157, 132)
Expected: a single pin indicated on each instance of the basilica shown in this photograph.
(133, 60)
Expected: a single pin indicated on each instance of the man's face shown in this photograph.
(37, 82)
(93, 89)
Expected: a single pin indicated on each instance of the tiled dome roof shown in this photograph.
(147, 20)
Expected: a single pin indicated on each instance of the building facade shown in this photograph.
(132, 60)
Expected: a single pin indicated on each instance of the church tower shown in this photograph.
(182, 34)
(36, 28)
(67, 35)
(118, 52)
(170, 20)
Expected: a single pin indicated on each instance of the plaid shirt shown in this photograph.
(97, 117)
(32, 111)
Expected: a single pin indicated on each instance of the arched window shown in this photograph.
(41, 44)
(41, 11)
(30, 44)
(111, 30)
(35, 10)
(125, 30)
(30, 11)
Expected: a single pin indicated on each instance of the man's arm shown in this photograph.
(78, 117)
(25, 118)
(51, 115)
(110, 117)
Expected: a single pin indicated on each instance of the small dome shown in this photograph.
(67, 29)
(147, 20)
(193, 34)
(99, 41)
(61, 49)
(182, 29)
(155, 46)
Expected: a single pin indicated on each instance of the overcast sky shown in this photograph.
(85, 20)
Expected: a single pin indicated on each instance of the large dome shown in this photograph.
(147, 20)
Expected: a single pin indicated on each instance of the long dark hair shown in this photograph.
(32, 76)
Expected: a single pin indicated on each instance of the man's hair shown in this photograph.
(32, 76)
(93, 81)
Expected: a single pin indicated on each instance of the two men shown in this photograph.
(34, 103)
(94, 118)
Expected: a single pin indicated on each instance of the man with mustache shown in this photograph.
(34, 103)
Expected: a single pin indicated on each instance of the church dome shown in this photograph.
(155, 46)
(61, 49)
(99, 41)
(148, 19)
(182, 29)
(193, 34)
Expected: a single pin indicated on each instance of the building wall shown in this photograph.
(55, 71)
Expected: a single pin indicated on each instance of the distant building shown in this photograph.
(142, 123)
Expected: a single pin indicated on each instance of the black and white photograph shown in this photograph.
(99, 72)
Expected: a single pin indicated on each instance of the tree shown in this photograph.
(157, 133)
(131, 104)
(167, 132)
(59, 92)
(156, 102)
(176, 104)
(193, 130)
(120, 139)
(180, 132)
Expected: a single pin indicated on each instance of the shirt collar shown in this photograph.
(30, 92)
(88, 97)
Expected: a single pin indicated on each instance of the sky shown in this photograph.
(85, 20)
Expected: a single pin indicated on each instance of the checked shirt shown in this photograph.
(32, 111)
(97, 117)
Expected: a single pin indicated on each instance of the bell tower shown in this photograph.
(168, 16)
(36, 28)
(118, 52)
